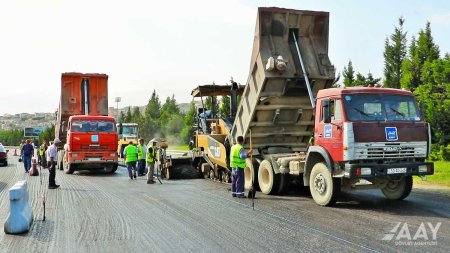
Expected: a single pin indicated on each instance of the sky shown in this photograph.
(173, 46)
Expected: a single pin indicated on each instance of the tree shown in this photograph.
(349, 75)
(360, 80)
(47, 134)
(370, 80)
(128, 116)
(435, 94)
(411, 68)
(150, 124)
(169, 111)
(225, 107)
(212, 104)
(136, 116)
(189, 122)
(422, 50)
(394, 55)
(122, 117)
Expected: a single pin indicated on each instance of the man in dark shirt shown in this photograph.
(27, 153)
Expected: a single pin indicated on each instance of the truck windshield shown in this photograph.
(129, 130)
(93, 126)
(380, 107)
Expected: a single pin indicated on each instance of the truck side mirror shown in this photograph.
(326, 111)
(120, 128)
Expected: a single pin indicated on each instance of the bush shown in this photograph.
(440, 152)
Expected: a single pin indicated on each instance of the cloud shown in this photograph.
(440, 19)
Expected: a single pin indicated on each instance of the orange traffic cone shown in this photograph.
(15, 152)
(34, 171)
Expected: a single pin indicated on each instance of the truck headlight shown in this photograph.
(423, 168)
(366, 171)
(113, 154)
(74, 155)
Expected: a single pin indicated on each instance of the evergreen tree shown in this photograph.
(128, 116)
(136, 116)
(422, 50)
(394, 55)
(150, 124)
(349, 75)
(225, 107)
(189, 122)
(122, 117)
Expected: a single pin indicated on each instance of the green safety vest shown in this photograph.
(140, 152)
(151, 155)
(235, 158)
(130, 152)
(42, 150)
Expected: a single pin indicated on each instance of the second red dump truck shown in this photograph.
(88, 135)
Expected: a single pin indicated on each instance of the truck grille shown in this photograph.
(383, 150)
(398, 152)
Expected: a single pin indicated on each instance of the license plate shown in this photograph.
(396, 170)
(94, 159)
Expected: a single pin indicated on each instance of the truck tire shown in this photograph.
(68, 168)
(398, 189)
(284, 183)
(111, 168)
(324, 188)
(251, 173)
(268, 181)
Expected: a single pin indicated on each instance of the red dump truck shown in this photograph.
(364, 138)
(88, 135)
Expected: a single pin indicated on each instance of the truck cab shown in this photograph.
(370, 138)
(91, 142)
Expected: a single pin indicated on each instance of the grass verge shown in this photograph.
(441, 175)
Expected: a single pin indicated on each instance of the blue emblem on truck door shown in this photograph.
(327, 131)
(94, 138)
(391, 133)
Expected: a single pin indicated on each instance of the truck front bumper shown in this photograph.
(368, 170)
(92, 157)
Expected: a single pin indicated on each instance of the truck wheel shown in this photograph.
(69, 168)
(268, 181)
(284, 182)
(324, 188)
(111, 168)
(251, 173)
(398, 189)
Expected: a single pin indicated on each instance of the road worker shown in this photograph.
(42, 150)
(131, 154)
(52, 154)
(237, 163)
(142, 151)
(151, 160)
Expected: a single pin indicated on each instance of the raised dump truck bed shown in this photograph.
(276, 105)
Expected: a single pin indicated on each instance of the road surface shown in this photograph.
(94, 212)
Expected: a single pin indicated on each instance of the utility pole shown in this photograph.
(117, 100)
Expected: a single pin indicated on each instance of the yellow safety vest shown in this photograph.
(130, 152)
(151, 155)
(42, 150)
(235, 157)
(140, 152)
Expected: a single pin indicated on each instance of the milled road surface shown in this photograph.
(94, 212)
